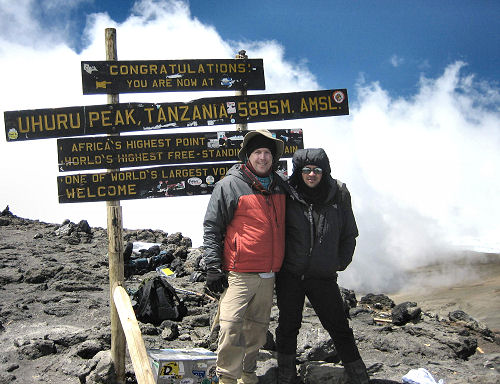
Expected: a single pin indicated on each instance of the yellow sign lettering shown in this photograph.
(48, 122)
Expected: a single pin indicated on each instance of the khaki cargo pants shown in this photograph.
(244, 314)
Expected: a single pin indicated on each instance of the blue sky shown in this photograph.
(419, 150)
(391, 41)
(343, 42)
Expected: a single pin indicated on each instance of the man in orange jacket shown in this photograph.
(244, 236)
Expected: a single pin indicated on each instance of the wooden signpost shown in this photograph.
(115, 246)
(187, 164)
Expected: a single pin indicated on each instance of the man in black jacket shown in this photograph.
(320, 239)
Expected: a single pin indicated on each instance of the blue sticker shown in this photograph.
(200, 374)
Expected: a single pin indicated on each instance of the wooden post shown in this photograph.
(243, 126)
(115, 246)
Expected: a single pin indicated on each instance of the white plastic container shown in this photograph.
(183, 366)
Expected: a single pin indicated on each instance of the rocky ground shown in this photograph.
(54, 317)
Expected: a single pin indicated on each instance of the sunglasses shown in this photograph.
(307, 170)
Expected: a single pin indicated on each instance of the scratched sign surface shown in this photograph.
(126, 117)
(144, 183)
(171, 75)
(111, 152)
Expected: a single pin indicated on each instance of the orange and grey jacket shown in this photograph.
(244, 225)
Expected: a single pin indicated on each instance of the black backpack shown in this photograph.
(156, 300)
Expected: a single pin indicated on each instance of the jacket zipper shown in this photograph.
(321, 226)
(311, 233)
(311, 228)
(235, 252)
(270, 201)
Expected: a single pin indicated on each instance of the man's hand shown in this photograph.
(216, 280)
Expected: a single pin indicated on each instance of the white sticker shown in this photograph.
(13, 135)
(194, 181)
(338, 97)
(231, 107)
(89, 69)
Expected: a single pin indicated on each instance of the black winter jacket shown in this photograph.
(319, 250)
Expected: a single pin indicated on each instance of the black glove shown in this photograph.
(216, 280)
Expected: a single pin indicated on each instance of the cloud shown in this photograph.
(422, 174)
(39, 22)
(424, 65)
(18, 13)
(396, 61)
(422, 170)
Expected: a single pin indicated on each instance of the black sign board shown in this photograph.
(171, 75)
(143, 183)
(113, 152)
(126, 117)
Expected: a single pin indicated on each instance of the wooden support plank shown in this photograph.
(135, 343)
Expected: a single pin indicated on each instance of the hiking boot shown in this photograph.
(355, 373)
(287, 373)
(248, 378)
(227, 380)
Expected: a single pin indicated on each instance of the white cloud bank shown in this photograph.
(424, 175)
(422, 171)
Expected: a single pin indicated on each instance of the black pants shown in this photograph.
(325, 298)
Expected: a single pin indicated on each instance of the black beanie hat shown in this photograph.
(260, 141)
